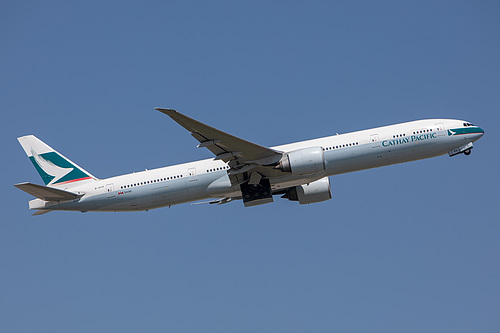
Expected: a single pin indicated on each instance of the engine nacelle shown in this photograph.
(307, 161)
(317, 191)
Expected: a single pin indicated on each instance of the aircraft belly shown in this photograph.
(354, 159)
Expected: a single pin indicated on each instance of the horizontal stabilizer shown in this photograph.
(47, 193)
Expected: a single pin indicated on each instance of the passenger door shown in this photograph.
(374, 139)
(192, 174)
(110, 189)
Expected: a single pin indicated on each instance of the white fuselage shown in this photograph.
(208, 179)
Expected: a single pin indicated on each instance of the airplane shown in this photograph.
(240, 170)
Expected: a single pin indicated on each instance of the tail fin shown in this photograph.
(53, 167)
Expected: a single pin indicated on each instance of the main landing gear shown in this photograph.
(256, 193)
(467, 152)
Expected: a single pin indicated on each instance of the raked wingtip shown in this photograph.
(165, 110)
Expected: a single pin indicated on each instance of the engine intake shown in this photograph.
(307, 161)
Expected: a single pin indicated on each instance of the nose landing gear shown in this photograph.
(465, 149)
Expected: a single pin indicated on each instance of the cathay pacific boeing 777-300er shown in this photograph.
(240, 170)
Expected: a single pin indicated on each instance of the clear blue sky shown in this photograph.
(406, 248)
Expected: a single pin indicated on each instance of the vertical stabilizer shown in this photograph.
(53, 167)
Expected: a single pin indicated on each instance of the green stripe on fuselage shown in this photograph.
(466, 130)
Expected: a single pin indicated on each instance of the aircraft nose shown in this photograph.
(478, 133)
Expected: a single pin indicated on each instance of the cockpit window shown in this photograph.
(468, 124)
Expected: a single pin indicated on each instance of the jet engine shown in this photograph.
(317, 191)
(307, 161)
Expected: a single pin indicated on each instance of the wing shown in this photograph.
(241, 155)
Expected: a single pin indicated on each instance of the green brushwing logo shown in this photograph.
(54, 169)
